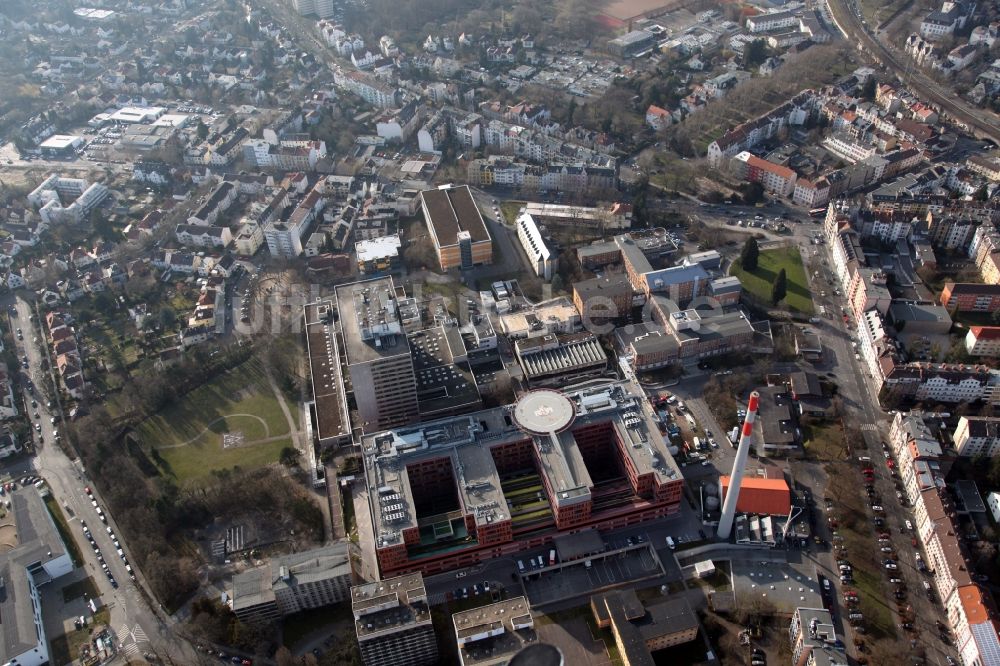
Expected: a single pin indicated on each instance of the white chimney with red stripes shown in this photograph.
(739, 467)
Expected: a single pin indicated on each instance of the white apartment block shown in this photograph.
(977, 435)
(848, 149)
(284, 239)
(200, 236)
(368, 88)
(540, 256)
(983, 341)
(49, 196)
(249, 239)
(772, 21)
(942, 388)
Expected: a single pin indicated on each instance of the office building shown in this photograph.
(491, 635)
(329, 403)
(294, 583)
(378, 255)
(560, 359)
(640, 630)
(38, 556)
(393, 622)
(377, 353)
(437, 489)
(456, 227)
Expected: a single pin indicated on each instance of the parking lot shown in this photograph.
(577, 579)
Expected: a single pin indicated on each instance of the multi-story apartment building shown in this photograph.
(811, 193)
(248, 239)
(848, 256)
(293, 583)
(218, 202)
(814, 639)
(977, 435)
(749, 134)
(540, 256)
(377, 352)
(970, 297)
(969, 610)
(774, 178)
(199, 236)
(983, 341)
(456, 227)
(772, 21)
(82, 196)
(948, 231)
(868, 290)
(393, 622)
(367, 87)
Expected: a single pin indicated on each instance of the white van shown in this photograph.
(909, 525)
(670, 543)
(520, 566)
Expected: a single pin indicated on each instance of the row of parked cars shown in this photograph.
(114, 540)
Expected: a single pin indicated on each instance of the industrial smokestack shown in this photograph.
(739, 465)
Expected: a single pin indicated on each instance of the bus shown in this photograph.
(817, 212)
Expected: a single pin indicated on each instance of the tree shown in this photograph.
(868, 90)
(168, 318)
(557, 283)
(754, 53)
(202, 130)
(750, 255)
(752, 193)
(289, 456)
(780, 287)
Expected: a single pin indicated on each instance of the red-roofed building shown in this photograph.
(762, 496)
(775, 178)
(657, 117)
(983, 341)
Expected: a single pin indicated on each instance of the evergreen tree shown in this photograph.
(780, 287)
(750, 255)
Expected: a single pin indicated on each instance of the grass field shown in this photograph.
(510, 209)
(187, 436)
(758, 282)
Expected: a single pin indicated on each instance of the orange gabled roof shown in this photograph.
(973, 604)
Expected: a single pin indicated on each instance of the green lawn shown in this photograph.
(63, 527)
(185, 439)
(510, 209)
(195, 461)
(758, 282)
(239, 399)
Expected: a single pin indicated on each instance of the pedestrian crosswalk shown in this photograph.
(139, 635)
(130, 650)
(869, 427)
